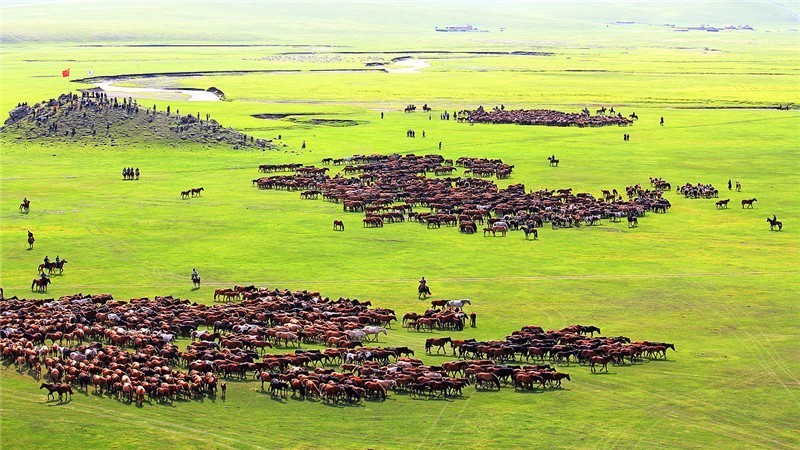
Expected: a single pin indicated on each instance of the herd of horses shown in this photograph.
(443, 315)
(575, 343)
(544, 117)
(126, 349)
(393, 188)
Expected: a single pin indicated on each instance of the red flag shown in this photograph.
(65, 73)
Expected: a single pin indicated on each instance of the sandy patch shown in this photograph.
(178, 94)
(411, 65)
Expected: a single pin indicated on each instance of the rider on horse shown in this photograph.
(58, 261)
(46, 261)
(423, 286)
(43, 276)
(195, 275)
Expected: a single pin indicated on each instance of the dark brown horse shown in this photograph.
(423, 291)
(31, 240)
(723, 204)
(775, 223)
(59, 389)
(436, 342)
(338, 225)
(531, 231)
(748, 202)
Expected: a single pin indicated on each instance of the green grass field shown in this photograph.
(718, 284)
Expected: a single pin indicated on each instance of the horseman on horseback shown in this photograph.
(195, 278)
(423, 290)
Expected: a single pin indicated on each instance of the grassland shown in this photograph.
(717, 283)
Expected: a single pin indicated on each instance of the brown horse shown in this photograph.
(59, 389)
(436, 342)
(602, 360)
(748, 202)
(197, 191)
(484, 378)
(41, 284)
(338, 225)
(31, 240)
(723, 204)
(185, 194)
(439, 303)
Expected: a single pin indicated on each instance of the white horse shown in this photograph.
(355, 335)
(452, 304)
(374, 331)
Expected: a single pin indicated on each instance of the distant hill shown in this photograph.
(93, 21)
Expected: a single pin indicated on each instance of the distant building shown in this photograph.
(460, 29)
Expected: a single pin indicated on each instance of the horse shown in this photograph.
(196, 192)
(438, 303)
(424, 291)
(531, 231)
(501, 228)
(51, 267)
(553, 161)
(25, 206)
(452, 304)
(375, 331)
(438, 342)
(602, 360)
(484, 378)
(338, 225)
(748, 202)
(60, 389)
(41, 284)
(591, 329)
(196, 281)
(723, 204)
(31, 240)
(633, 222)
(774, 223)
(185, 194)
